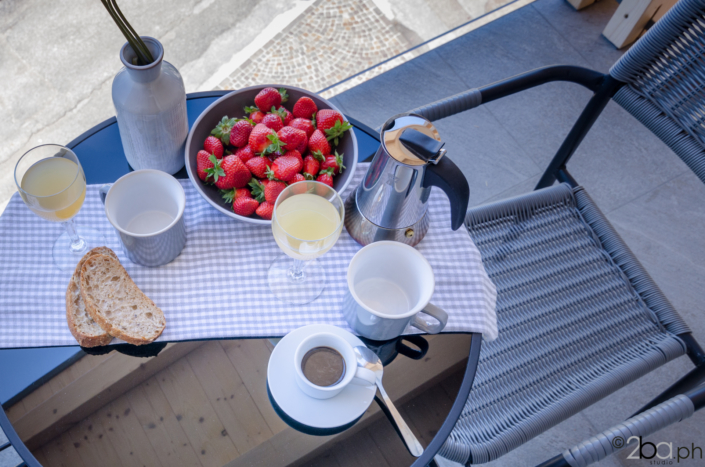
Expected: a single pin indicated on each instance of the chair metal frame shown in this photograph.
(13, 440)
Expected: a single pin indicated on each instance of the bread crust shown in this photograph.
(100, 250)
(95, 312)
(84, 340)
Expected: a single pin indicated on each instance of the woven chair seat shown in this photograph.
(578, 319)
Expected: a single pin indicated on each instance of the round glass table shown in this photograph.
(207, 402)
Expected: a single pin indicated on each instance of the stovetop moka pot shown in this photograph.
(391, 201)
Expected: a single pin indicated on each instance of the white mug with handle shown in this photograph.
(390, 285)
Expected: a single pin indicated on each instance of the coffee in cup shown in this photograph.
(323, 366)
(326, 363)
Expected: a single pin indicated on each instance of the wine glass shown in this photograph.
(52, 184)
(306, 223)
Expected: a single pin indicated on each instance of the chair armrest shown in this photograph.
(474, 97)
(627, 433)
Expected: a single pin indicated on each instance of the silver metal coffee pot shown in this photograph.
(391, 201)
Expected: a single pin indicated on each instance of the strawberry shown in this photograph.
(318, 142)
(232, 174)
(326, 176)
(268, 98)
(231, 195)
(223, 128)
(297, 155)
(332, 124)
(305, 108)
(273, 121)
(255, 115)
(284, 168)
(298, 178)
(312, 164)
(265, 210)
(203, 163)
(272, 190)
(245, 206)
(284, 114)
(245, 154)
(293, 138)
(258, 166)
(303, 124)
(326, 118)
(213, 146)
(242, 193)
(240, 133)
(259, 140)
(334, 162)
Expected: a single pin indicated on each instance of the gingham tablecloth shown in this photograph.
(217, 287)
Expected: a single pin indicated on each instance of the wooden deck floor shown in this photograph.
(209, 408)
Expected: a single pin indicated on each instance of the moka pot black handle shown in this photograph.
(448, 177)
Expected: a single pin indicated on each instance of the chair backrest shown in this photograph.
(665, 73)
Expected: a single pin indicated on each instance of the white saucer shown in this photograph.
(338, 411)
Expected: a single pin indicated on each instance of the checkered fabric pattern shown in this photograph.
(217, 287)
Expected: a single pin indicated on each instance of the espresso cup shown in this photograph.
(352, 373)
(389, 285)
(146, 207)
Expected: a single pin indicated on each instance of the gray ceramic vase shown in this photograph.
(150, 102)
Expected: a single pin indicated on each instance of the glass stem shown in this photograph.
(296, 271)
(78, 245)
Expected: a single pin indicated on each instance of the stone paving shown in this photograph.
(334, 39)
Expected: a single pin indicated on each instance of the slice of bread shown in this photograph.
(116, 303)
(86, 331)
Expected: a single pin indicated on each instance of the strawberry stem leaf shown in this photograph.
(336, 131)
(285, 96)
(339, 161)
(318, 155)
(223, 128)
(257, 190)
(276, 146)
(216, 171)
(228, 195)
(270, 174)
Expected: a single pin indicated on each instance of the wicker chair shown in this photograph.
(579, 317)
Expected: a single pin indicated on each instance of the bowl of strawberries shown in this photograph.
(250, 144)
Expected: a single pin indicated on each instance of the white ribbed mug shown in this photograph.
(146, 207)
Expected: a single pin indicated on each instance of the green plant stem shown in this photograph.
(139, 40)
(120, 26)
(138, 47)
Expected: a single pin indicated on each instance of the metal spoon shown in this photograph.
(368, 359)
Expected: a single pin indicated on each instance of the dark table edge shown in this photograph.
(455, 411)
